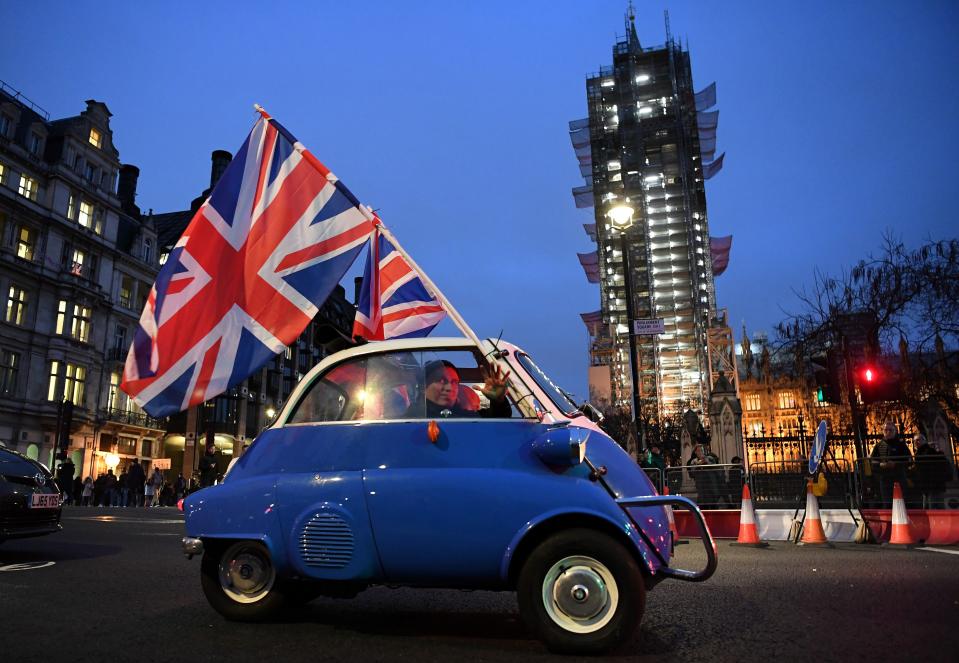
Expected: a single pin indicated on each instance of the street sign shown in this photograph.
(649, 326)
(818, 446)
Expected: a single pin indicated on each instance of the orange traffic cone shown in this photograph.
(901, 527)
(748, 536)
(812, 531)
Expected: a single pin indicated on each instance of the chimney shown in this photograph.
(221, 159)
(357, 287)
(127, 189)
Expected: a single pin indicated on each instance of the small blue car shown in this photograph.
(396, 463)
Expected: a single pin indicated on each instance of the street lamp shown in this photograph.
(621, 217)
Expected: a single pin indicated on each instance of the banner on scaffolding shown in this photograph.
(710, 169)
(719, 248)
(583, 196)
(706, 98)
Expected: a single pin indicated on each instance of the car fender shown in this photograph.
(241, 509)
(615, 518)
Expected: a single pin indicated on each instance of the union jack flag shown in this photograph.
(251, 270)
(393, 301)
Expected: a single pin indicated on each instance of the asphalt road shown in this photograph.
(120, 590)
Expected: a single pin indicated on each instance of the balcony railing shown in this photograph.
(133, 418)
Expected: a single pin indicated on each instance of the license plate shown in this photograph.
(44, 501)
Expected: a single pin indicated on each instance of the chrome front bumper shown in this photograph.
(192, 547)
(707, 538)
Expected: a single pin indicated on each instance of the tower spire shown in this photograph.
(631, 27)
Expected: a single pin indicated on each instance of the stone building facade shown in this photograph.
(76, 263)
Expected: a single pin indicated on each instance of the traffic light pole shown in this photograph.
(858, 417)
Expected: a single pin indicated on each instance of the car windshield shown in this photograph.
(563, 400)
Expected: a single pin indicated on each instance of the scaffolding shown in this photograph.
(645, 149)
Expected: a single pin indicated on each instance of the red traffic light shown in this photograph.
(870, 375)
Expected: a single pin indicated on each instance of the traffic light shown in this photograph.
(826, 377)
(876, 385)
(64, 425)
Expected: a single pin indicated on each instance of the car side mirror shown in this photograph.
(591, 412)
(562, 446)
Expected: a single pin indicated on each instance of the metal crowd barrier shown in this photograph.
(709, 486)
(782, 484)
(927, 482)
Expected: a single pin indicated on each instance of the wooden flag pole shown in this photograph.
(436, 292)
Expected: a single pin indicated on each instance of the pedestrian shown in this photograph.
(110, 489)
(123, 488)
(735, 480)
(709, 480)
(932, 472)
(208, 467)
(654, 464)
(98, 489)
(65, 479)
(87, 494)
(156, 481)
(179, 488)
(890, 460)
(77, 489)
(135, 481)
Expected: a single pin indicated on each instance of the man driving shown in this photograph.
(442, 391)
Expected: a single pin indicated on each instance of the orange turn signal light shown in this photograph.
(433, 431)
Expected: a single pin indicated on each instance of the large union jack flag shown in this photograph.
(251, 270)
(393, 301)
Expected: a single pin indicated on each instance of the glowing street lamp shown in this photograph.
(270, 413)
(621, 216)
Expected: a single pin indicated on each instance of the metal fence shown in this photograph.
(925, 483)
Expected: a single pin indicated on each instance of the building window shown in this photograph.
(146, 448)
(90, 172)
(28, 187)
(147, 249)
(5, 123)
(73, 383)
(126, 291)
(127, 445)
(25, 243)
(85, 218)
(786, 400)
(72, 207)
(61, 315)
(54, 374)
(3, 173)
(36, 142)
(95, 138)
(80, 329)
(16, 305)
(119, 339)
(9, 365)
(753, 402)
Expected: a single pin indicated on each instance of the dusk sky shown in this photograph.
(838, 119)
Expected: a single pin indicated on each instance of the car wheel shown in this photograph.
(239, 580)
(581, 592)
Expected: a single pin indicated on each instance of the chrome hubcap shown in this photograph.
(246, 573)
(580, 594)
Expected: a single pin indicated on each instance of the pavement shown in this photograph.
(119, 589)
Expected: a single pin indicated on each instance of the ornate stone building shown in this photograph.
(76, 262)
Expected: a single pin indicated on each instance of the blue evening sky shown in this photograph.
(839, 120)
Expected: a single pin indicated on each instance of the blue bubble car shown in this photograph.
(391, 464)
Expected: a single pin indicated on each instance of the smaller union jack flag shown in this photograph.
(393, 301)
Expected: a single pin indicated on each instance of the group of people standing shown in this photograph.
(132, 488)
(717, 486)
(921, 476)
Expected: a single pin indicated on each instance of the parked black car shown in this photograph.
(30, 502)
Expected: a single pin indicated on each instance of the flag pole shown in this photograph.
(450, 310)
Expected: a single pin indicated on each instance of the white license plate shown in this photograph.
(44, 501)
